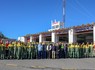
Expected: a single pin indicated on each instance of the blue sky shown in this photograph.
(21, 17)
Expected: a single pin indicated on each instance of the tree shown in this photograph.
(3, 36)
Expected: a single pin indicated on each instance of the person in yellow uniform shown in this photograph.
(35, 50)
(2, 51)
(72, 47)
(31, 46)
(76, 50)
(84, 49)
(15, 50)
(21, 50)
(80, 50)
(87, 50)
(90, 50)
(29, 50)
(18, 50)
(69, 51)
(11, 49)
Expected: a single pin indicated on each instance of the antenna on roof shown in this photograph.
(64, 11)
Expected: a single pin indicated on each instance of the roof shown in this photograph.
(65, 30)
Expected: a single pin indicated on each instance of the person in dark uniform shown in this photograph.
(62, 50)
(7, 50)
(44, 51)
(48, 51)
(65, 50)
(57, 51)
(53, 51)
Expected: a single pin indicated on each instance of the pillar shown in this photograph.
(72, 37)
(31, 40)
(54, 37)
(94, 33)
(40, 38)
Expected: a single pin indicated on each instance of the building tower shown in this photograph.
(55, 25)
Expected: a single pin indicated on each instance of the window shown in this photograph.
(57, 26)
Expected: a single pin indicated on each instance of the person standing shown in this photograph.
(87, 50)
(2, 50)
(29, 51)
(15, 50)
(59, 44)
(65, 50)
(39, 50)
(84, 50)
(19, 50)
(57, 51)
(7, 50)
(33, 54)
(76, 50)
(90, 50)
(10, 47)
(44, 53)
(62, 50)
(32, 51)
(53, 51)
(81, 50)
(25, 51)
(94, 50)
(69, 51)
(36, 50)
(48, 51)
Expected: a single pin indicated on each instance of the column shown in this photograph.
(40, 38)
(54, 37)
(31, 40)
(94, 33)
(72, 37)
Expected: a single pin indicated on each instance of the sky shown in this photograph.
(21, 17)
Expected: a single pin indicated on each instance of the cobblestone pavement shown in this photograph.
(48, 64)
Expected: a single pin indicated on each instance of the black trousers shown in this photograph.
(7, 53)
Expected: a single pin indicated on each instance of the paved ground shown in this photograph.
(48, 64)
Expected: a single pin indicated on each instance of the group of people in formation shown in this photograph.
(33, 50)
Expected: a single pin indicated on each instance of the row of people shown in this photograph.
(19, 50)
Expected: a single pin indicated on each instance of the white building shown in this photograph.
(83, 33)
(56, 25)
(22, 39)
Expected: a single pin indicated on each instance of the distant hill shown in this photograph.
(2, 36)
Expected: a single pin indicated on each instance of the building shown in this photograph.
(56, 25)
(82, 33)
